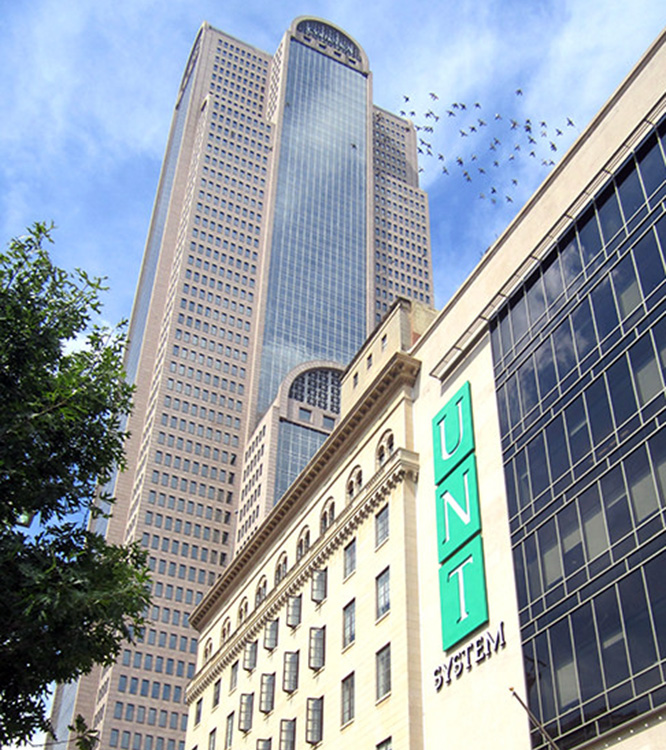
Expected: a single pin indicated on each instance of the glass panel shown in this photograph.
(610, 217)
(549, 549)
(613, 652)
(656, 585)
(528, 387)
(545, 368)
(658, 454)
(626, 286)
(570, 259)
(512, 398)
(564, 350)
(584, 335)
(579, 439)
(536, 300)
(605, 312)
(651, 165)
(505, 331)
(572, 542)
(522, 478)
(532, 567)
(587, 652)
(646, 372)
(552, 278)
(629, 188)
(594, 529)
(642, 651)
(557, 447)
(621, 391)
(538, 466)
(588, 236)
(545, 679)
(564, 670)
(596, 399)
(616, 504)
(648, 262)
(641, 485)
(519, 317)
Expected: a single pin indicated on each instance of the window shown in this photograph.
(349, 623)
(350, 558)
(265, 744)
(294, 611)
(229, 733)
(317, 651)
(303, 545)
(271, 635)
(212, 737)
(260, 593)
(250, 656)
(290, 675)
(386, 744)
(288, 734)
(383, 669)
(281, 569)
(267, 695)
(315, 721)
(347, 702)
(216, 693)
(319, 585)
(245, 715)
(382, 588)
(197, 711)
(328, 516)
(233, 678)
(381, 526)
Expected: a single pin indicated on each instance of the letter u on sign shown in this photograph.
(452, 433)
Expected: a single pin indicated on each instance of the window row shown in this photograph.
(595, 321)
(142, 742)
(608, 219)
(149, 715)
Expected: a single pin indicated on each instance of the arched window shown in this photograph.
(281, 569)
(208, 650)
(328, 516)
(303, 544)
(354, 483)
(242, 612)
(261, 592)
(385, 448)
(226, 631)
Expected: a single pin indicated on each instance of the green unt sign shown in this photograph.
(462, 581)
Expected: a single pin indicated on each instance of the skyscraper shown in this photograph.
(287, 218)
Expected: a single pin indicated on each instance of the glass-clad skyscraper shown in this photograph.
(261, 277)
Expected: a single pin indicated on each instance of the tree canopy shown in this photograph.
(70, 599)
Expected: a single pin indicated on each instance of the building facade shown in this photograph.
(475, 555)
(269, 258)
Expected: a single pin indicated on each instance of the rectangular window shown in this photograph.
(290, 675)
(317, 651)
(245, 715)
(212, 738)
(347, 699)
(197, 711)
(250, 656)
(288, 734)
(386, 744)
(267, 695)
(383, 669)
(233, 678)
(383, 596)
(271, 635)
(381, 526)
(319, 581)
(216, 693)
(229, 733)
(350, 558)
(294, 611)
(315, 721)
(265, 744)
(349, 623)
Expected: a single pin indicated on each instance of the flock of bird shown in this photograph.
(492, 144)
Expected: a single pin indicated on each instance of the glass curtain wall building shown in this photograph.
(260, 239)
(580, 366)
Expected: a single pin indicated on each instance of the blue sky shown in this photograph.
(89, 87)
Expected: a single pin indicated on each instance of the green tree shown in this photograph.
(69, 598)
